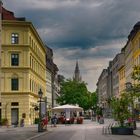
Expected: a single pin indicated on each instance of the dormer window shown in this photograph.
(14, 38)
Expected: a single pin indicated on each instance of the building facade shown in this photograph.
(53, 86)
(128, 61)
(56, 89)
(23, 70)
(49, 65)
(115, 76)
(121, 67)
(102, 92)
(121, 72)
(134, 37)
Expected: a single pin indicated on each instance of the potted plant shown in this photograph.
(4, 121)
(121, 113)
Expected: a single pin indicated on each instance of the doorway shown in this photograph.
(14, 116)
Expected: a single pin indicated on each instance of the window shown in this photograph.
(14, 59)
(14, 104)
(15, 38)
(14, 83)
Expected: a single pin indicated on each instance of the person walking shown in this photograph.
(54, 120)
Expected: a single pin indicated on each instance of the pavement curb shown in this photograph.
(38, 135)
(137, 133)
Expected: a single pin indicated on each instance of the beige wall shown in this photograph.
(31, 71)
(121, 80)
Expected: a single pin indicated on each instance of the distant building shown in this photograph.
(77, 76)
(49, 65)
(115, 74)
(56, 92)
(121, 72)
(128, 58)
(120, 69)
(102, 90)
(53, 86)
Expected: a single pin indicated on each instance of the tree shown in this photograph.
(136, 78)
(73, 92)
(136, 73)
(93, 100)
(120, 108)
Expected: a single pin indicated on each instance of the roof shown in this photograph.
(8, 15)
(133, 32)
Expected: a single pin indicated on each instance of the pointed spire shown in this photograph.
(77, 67)
(77, 76)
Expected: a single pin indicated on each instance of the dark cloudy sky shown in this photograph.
(90, 31)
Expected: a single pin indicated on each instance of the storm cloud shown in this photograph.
(92, 31)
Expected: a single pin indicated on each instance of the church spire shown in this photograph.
(77, 76)
(77, 68)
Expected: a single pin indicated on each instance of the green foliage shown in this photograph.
(4, 121)
(120, 108)
(93, 100)
(73, 92)
(99, 111)
(136, 73)
(36, 120)
(136, 78)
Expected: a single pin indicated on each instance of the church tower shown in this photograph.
(77, 76)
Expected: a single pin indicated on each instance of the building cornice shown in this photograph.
(27, 24)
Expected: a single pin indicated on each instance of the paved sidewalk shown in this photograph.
(137, 132)
(23, 133)
(31, 132)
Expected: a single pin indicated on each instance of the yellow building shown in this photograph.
(134, 38)
(121, 79)
(23, 70)
(136, 49)
(134, 57)
(136, 54)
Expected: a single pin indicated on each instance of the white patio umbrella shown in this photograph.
(63, 108)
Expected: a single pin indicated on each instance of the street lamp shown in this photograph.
(40, 128)
(129, 87)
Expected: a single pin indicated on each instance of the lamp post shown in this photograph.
(40, 129)
(129, 88)
(0, 43)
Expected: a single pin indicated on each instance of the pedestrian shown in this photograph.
(101, 120)
(98, 118)
(54, 120)
(22, 122)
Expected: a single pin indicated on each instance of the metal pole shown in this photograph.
(40, 118)
(0, 42)
(133, 113)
